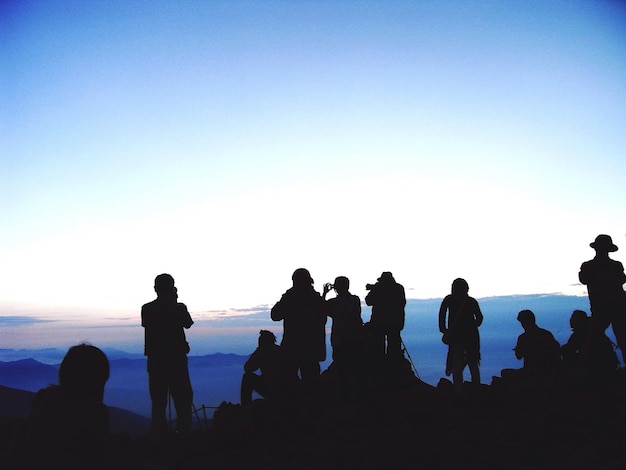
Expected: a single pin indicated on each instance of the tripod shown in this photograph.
(408, 356)
(203, 421)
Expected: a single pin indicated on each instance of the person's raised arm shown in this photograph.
(186, 319)
(278, 310)
(442, 315)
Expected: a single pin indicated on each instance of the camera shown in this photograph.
(369, 286)
(329, 286)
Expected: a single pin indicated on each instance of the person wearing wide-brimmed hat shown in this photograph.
(604, 278)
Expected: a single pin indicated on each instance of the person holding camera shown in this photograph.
(301, 309)
(166, 347)
(537, 347)
(346, 332)
(387, 299)
(345, 310)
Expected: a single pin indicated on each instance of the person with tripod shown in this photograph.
(387, 299)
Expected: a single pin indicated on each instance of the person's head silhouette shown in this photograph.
(266, 338)
(301, 278)
(460, 286)
(84, 372)
(579, 320)
(386, 278)
(603, 244)
(526, 318)
(164, 286)
(341, 285)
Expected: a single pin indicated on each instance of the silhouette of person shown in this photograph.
(166, 348)
(387, 300)
(600, 359)
(537, 347)
(301, 309)
(278, 378)
(604, 278)
(461, 333)
(346, 332)
(68, 426)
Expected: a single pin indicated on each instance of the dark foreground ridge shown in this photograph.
(401, 421)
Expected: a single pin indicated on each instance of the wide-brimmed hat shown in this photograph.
(604, 243)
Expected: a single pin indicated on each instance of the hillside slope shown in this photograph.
(399, 421)
(407, 423)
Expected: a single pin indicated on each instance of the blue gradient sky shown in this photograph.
(230, 142)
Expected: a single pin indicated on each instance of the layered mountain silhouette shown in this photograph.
(215, 378)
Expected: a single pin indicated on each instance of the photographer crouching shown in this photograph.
(387, 300)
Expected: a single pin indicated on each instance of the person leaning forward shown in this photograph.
(387, 299)
(166, 347)
(301, 308)
(537, 347)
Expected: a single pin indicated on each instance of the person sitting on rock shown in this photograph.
(537, 347)
(278, 378)
(539, 350)
(582, 357)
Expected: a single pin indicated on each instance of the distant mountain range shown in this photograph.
(215, 378)
(55, 355)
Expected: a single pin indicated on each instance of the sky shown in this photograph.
(230, 142)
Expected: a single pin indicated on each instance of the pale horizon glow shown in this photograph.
(229, 143)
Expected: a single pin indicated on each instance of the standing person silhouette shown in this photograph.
(345, 310)
(346, 332)
(387, 300)
(301, 309)
(604, 278)
(461, 333)
(166, 347)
